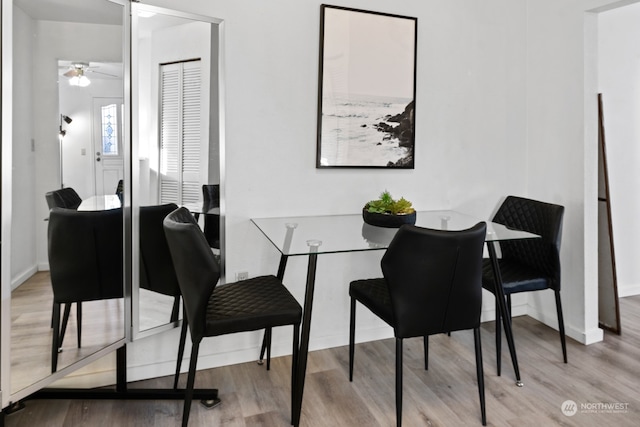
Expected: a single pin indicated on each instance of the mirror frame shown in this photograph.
(6, 11)
(216, 131)
(7, 395)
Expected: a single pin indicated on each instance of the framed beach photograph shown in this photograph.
(367, 89)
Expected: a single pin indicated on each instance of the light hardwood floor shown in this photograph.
(102, 324)
(445, 395)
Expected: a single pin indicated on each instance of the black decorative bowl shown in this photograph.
(387, 220)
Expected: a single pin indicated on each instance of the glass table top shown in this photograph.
(100, 203)
(349, 233)
(202, 208)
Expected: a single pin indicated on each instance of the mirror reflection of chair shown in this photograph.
(120, 190)
(210, 310)
(66, 198)
(63, 198)
(211, 199)
(530, 264)
(431, 285)
(156, 267)
(85, 262)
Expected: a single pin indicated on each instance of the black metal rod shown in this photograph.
(282, 266)
(120, 391)
(506, 318)
(304, 340)
(129, 394)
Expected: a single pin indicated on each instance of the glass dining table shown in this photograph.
(100, 203)
(316, 235)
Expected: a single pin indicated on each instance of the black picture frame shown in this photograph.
(366, 89)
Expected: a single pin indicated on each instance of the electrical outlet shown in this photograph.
(243, 275)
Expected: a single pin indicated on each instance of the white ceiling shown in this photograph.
(89, 11)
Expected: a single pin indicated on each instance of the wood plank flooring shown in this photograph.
(102, 324)
(445, 395)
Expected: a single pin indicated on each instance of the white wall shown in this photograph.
(54, 41)
(166, 45)
(476, 109)
(23, 245)
(505, 101)
(619, 83)
(77, 103)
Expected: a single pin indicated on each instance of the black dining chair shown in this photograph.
(85, 263)
(66, 198)
(431, 284)
(157, 273)
(210, 310)
(528, 264)
(211, 199)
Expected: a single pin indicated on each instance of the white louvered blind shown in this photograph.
(180, 132)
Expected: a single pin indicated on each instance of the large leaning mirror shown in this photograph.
(177, 139)
(68, 94)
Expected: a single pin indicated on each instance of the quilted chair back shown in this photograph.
(196, 268)
(64, 198)
(544, 219)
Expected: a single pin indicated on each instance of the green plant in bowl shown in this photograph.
(387, 205)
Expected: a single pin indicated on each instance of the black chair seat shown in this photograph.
(373, 294)
(516, 277)
(250, 305)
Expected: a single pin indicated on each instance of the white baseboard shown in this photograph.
(628, 291)
(22, 277)
(582, 336)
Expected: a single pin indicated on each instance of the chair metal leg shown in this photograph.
(175, 309)
(263, 348)
(55, 317)
(65, 320)
(190, 381)
(399, 382)
(266, 347)
(294, 365)
(183, 339)
(52, 313)
(425, 343)
(268, 336)
(79, 321)
(352, 336)
(563, 338)
(480, 373)
(498, 338)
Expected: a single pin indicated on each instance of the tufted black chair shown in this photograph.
(211, 199)
(529, 264)
(431, 285)
(210, 310)
(63, 198)
(85, 262)
(156, 266)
